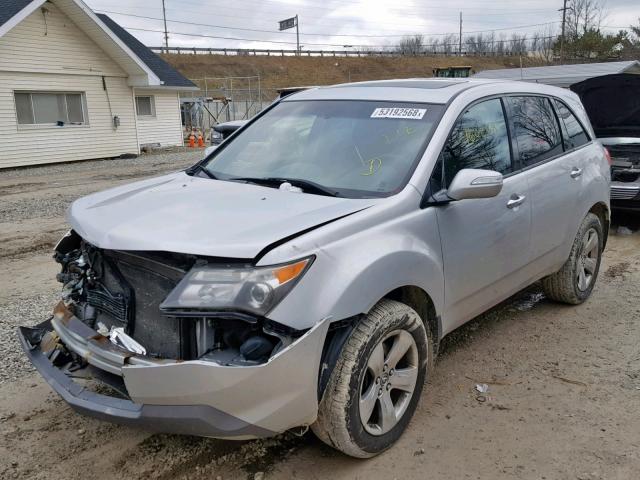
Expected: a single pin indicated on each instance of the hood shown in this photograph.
(185, 214)
(612, 103)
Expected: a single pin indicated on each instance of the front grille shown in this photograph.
(113, 305)
(621, 192)
(150, 283)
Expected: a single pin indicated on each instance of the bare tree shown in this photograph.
(583, 16)
(433, 45)
(542, 43)
(449, 43)
(635, 31)
(501, 44)
(411, 45)
(517, 44)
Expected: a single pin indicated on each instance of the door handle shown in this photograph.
(515, 201)
(576, 172)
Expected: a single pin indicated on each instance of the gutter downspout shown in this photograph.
(135, 117)
(181, 138)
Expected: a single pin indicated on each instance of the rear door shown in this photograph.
(554, 178)
(484, 241)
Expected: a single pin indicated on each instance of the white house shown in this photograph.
(74, 85)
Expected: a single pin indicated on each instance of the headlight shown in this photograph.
(216, 135)
(256, 290)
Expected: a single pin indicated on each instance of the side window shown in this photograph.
(573, 131)
(479, 139)
(536, 129)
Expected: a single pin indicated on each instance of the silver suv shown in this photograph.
(305, 272)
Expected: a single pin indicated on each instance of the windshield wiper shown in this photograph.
(200, 167)
(306, 185)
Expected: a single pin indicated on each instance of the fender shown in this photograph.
(351, 274)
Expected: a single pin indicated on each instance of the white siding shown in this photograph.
(32, 145)
(165, 127)
(54, 46)
(59, 57)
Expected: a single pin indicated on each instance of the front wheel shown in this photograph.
(575, 281)
(375, 386)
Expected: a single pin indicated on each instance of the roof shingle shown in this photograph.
(169, 75)
(10, 8)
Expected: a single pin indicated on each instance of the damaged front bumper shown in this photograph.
(198, 397)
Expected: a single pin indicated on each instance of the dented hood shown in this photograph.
(185, 214)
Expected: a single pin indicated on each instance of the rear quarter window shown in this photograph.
(573, 132)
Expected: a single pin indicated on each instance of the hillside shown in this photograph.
(277, 72)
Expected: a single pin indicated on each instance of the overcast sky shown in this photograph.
(331, 24)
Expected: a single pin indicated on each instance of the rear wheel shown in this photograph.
(376, 383)
(575, 281)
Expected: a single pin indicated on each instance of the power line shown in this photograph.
(355, 35)
(244, 18)
(201, 35)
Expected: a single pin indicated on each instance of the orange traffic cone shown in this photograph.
(200, 140)
(192, 140)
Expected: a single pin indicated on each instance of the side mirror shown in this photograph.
(475, 183)
(209, 150)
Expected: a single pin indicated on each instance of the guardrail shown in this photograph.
(315, 53)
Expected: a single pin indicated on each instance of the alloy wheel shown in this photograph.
(388, 382)
(588, 259)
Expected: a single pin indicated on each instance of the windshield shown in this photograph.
(353, 148)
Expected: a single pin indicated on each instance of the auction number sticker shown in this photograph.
(409, 113)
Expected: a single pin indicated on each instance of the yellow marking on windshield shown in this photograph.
(375, 164)
(398, 133)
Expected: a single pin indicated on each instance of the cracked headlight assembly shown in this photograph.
(250, 289)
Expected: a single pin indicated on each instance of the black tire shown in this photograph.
(339, 424)
(564, 285)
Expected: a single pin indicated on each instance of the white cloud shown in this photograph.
(336, 22)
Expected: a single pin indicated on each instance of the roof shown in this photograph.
(10, 8)
(167, 74)
(144, 67)
(437, 91)
(561, 75)
(429, 90)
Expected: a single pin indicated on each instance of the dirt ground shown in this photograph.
(564, 382)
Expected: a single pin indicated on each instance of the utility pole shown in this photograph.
(564, 21)
(166, 33)
(460, 44)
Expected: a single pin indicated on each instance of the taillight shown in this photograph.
(608, 155)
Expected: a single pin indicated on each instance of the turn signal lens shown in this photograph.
(608, 155)
(289, 272)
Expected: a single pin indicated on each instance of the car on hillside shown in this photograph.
(306, 271)
(613, 105)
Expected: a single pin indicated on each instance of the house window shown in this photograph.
(145, 106)
(51, 108)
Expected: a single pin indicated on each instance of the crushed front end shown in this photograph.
(124, 344)
(625, 175)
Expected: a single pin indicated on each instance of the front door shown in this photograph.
(485, 242)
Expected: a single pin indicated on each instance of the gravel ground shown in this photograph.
(35, 197)
(160, 158)
(564, 382)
